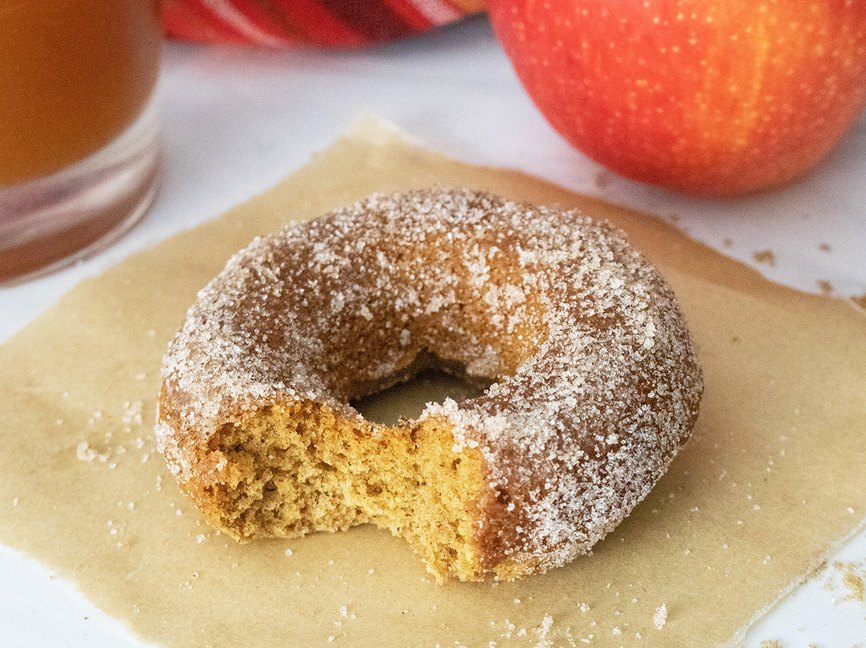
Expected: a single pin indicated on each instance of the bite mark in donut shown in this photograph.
(595, 381)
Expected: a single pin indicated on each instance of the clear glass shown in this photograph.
(78, 131)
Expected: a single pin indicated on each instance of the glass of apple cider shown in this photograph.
(78, 135)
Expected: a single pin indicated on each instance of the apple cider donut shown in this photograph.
(596, 383)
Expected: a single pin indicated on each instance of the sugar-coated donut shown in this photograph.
(596, 381)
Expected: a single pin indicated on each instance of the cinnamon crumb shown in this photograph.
(602, 178)
(765, 256)
(825, 286)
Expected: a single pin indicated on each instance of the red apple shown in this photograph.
(707, 97)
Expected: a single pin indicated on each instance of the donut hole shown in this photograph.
(406, 399)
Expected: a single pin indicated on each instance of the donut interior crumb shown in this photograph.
(299, 468)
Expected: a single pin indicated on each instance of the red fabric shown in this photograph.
(335, 23)
(314, 24)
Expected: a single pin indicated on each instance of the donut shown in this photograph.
(595, 381)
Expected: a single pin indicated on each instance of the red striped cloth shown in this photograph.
(284, 23)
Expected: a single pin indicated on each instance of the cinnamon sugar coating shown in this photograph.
(596, 383)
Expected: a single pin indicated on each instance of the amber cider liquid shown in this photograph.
(73, 75)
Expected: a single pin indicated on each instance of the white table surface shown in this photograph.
(238, 120)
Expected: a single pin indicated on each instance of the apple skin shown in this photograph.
(706, 97)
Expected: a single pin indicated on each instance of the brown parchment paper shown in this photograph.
(772, 479)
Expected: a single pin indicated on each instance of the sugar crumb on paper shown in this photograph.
(660, 618)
